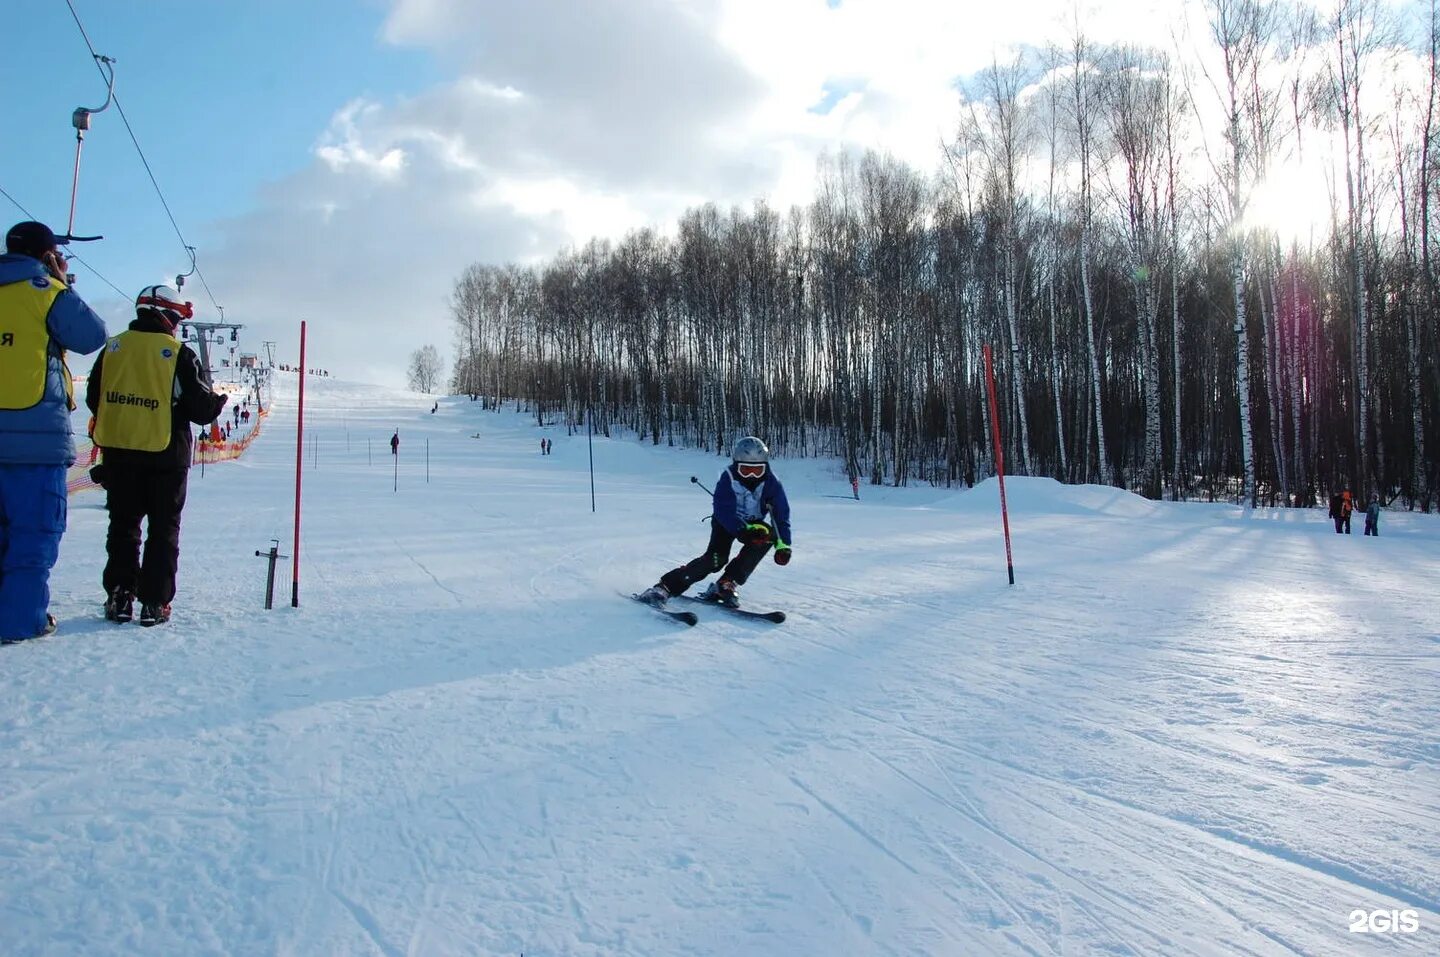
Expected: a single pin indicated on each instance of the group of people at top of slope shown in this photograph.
(144, 391)
(1342, 504)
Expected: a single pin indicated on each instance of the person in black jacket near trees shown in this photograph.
(146, 389)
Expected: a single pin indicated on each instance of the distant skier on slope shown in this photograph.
(746, 494)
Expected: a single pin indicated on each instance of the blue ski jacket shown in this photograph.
(40, 435)
(735, 505)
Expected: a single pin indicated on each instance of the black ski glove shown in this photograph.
(782, 554)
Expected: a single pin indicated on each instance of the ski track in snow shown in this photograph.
(1187, 729)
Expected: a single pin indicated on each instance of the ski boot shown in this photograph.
(723, 592)
(153, 614)
(120, 606)
(657, 594)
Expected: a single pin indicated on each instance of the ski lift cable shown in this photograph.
(68, 256)
(134, 139)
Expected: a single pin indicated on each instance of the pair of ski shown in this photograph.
(690, 618)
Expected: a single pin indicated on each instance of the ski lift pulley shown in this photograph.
(80, 119)
(180, 279)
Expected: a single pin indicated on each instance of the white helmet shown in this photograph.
(750, 449)
(165, 301)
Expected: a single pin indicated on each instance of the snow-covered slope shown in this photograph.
(1186, 730)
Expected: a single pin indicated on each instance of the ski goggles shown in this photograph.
(750, 469)
(184, 310)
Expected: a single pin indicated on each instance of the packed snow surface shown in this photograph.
(1187, 728)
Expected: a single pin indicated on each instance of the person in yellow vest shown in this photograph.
(40, 319)
(146, 389)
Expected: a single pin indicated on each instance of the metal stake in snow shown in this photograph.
(299, 464)
(999, 462)
(272, 554)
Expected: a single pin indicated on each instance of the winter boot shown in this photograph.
(656, 594)
(45, 630)
(120, 606)
(723, 592)
(153, 614)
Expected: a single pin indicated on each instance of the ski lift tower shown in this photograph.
(202, 330)
(199, 333)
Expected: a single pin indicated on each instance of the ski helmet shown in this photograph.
(750, 449)
(165, 301)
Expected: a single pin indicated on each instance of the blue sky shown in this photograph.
(342, 161)
(222, 97)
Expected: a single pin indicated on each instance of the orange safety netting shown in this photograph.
(78, 477)
(210, 452)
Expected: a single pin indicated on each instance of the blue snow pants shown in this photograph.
(33, 510)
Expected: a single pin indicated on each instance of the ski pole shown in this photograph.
(701, 484)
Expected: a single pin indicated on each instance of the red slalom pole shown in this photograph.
(299, 466)
(999, 461)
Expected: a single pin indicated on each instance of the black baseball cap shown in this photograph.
(32, 239)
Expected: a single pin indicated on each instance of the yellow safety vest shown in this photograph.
(137, 384)
(25, 342)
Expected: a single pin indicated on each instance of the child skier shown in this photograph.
(746, 494)
(1372, 515)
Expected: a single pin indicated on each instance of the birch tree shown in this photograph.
(1243, 32)
(1135, 111)
(1084, 107)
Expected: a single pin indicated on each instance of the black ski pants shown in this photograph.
(133, 495)
(717, 553)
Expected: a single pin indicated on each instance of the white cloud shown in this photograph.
(342, 145)
(566, 120)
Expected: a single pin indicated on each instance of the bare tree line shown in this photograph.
(1085, 224)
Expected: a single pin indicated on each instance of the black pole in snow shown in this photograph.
(590, 441)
